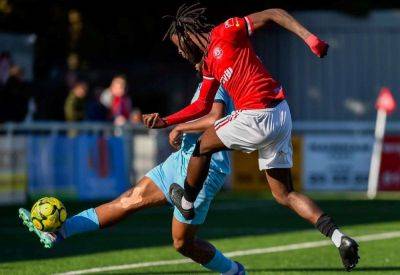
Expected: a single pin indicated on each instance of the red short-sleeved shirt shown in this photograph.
(232, 61)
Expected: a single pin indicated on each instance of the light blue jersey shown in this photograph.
(174, 168)
(220, 160)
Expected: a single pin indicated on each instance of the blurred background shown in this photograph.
(75, 77)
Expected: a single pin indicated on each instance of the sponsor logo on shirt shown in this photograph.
(226, 76)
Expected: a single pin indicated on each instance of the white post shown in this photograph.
(376, 154)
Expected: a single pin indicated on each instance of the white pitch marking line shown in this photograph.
(266, 250)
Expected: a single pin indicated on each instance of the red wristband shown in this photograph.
(312, 40)
(317, 46)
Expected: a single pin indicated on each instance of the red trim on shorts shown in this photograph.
(227, 120)
(221, 121)
(222, 124)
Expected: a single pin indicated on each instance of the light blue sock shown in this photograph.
(219, 263)
(83, 222)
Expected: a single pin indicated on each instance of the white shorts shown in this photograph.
(266, 130)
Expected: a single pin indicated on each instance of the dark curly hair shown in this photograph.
(189, 19)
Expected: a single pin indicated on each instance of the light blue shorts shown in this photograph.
(173, 170)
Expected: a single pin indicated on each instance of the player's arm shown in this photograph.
(199, 125)
(197, 109)
(202, 124)
(284, 19)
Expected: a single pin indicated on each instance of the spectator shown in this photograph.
(74, 107)
(117, 100)
(15, 96)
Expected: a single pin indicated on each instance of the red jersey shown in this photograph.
(232, 62)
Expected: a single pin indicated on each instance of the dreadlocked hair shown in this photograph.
(189, 19)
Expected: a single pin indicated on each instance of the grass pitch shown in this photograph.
(235, 223)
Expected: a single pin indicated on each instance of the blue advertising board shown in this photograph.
(82, 167)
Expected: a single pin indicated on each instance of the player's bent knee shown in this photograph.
(183, 246)
(204, 149)
(281, 197)
(178, 244)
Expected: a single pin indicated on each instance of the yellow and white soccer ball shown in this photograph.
(48, 214)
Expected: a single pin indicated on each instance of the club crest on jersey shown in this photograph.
(231, 22)
(217, 52)
(226, 76)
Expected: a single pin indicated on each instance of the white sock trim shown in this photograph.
(337, 237)
(186, 204)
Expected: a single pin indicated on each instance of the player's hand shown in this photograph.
(317, 46)
(153, 121)
(175, 138)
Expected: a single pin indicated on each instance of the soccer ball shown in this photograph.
(48, 214)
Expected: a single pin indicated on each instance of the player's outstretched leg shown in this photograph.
(280, 182)
(144, 195)
(202, 252)
(197, 173)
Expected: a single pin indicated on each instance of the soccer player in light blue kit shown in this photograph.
(152, 190)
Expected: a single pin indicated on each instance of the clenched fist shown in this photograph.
(317, 46)
(154, 121)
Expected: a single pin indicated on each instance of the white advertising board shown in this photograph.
(13, 170)
(336, 162)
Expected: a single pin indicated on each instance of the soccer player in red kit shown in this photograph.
(262, 118)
